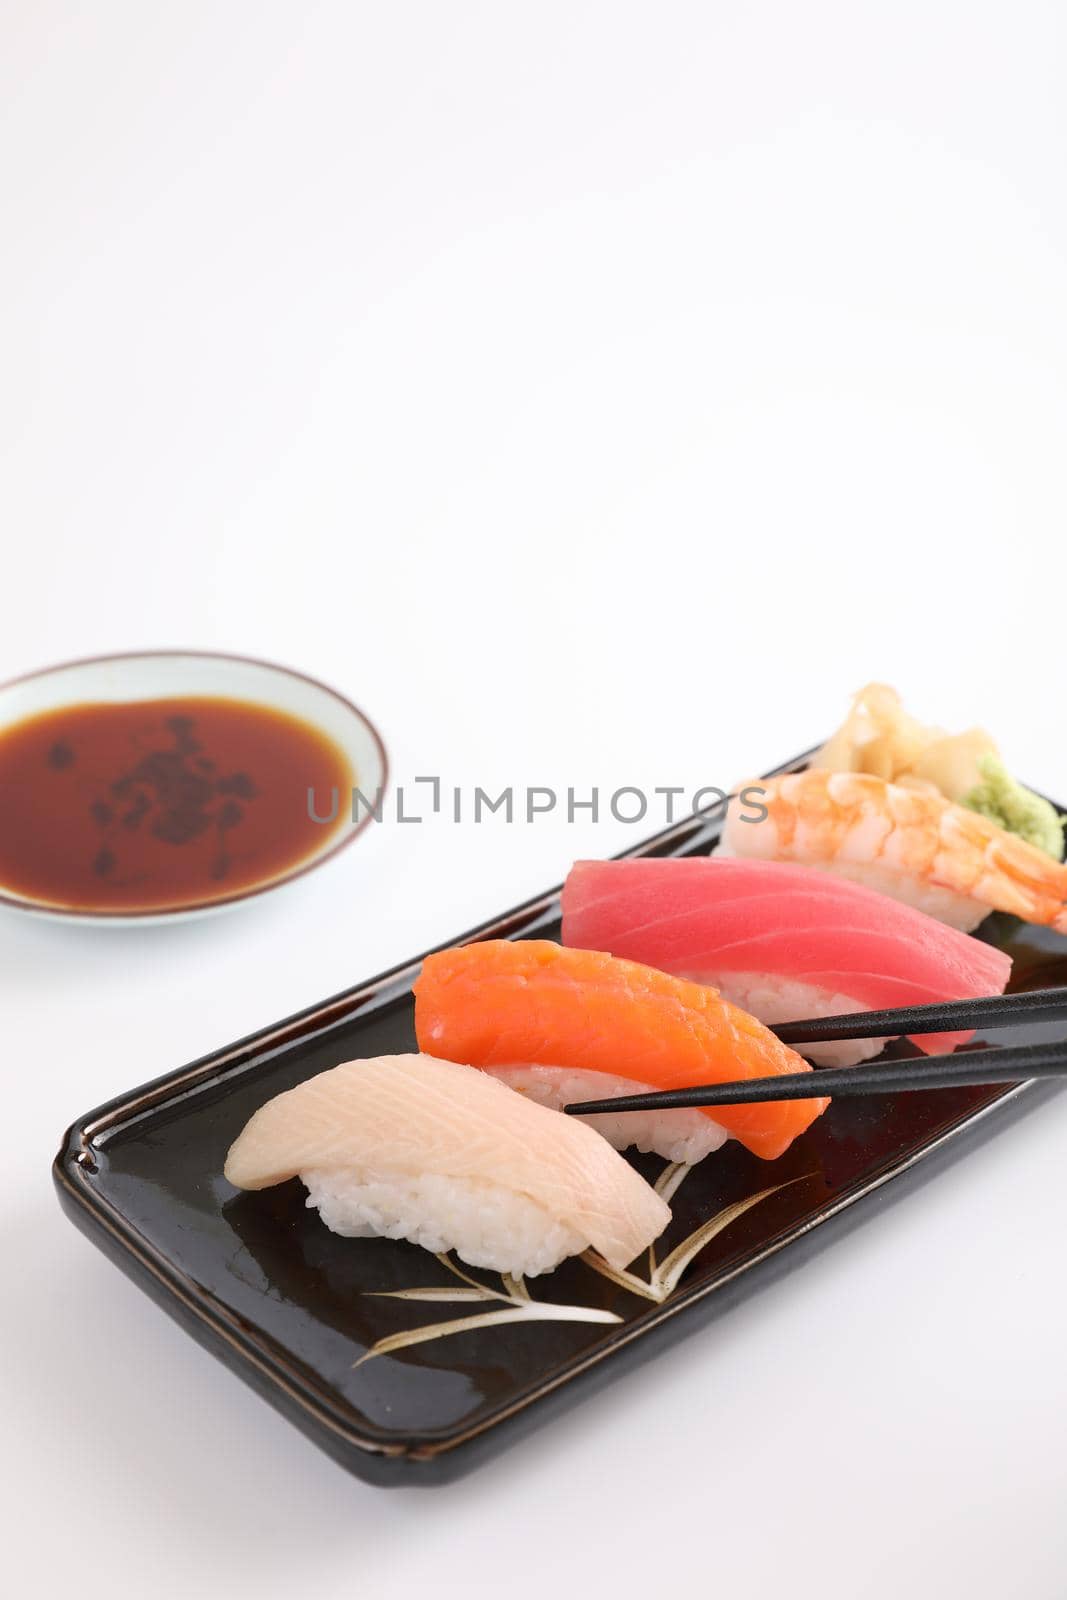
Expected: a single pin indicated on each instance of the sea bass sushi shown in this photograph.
(782, 941)
(564, 1025)
(912, 844)
(426, 1150)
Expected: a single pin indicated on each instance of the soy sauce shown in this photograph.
(156, 804)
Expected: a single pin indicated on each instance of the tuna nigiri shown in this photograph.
(565, 1025)
(782, 941)
(912, 844)
(437, 1153)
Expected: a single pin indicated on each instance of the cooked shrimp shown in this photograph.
(911, 843)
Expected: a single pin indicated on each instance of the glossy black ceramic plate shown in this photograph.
(294, 1309)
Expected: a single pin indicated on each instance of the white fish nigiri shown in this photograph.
(418, 1148)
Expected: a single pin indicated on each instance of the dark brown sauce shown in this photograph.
(155, 804)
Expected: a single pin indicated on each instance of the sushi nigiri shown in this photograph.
(565, 1025)
(782, 941)
(912, 844)
(423, 1149)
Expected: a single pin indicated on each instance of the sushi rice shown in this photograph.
(775, 999)
(487, 1225)
(682, 1135)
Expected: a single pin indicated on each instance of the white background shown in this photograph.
(597, 393)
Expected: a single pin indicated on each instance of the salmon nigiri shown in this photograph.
(563, 1025)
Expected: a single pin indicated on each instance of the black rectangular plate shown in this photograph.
(291, 1307)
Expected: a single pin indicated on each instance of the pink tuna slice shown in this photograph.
(699, 917)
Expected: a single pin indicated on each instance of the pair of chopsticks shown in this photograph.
(1010, 1064)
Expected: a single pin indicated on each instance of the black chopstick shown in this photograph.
(991, 1011)
(1012, 1064)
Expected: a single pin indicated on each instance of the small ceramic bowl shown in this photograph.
(181, 674)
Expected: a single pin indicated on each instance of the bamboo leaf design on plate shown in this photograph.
(671, 1179)
(446, 1295)
(457, 1272)
(624, 1279)
(471, 1290)
(667, 1275)
(519, 1307)
(517, 1302)
(667, 1185)
(664, 1279)
(437, 1330)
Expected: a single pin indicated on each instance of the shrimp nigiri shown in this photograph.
(912, 844)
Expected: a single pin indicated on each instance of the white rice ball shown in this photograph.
(486, 1225)
(774, 1000)
(683, 1135)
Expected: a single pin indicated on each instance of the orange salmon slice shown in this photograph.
(502, 1002)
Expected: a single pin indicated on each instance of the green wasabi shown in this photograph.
(1019, 810)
